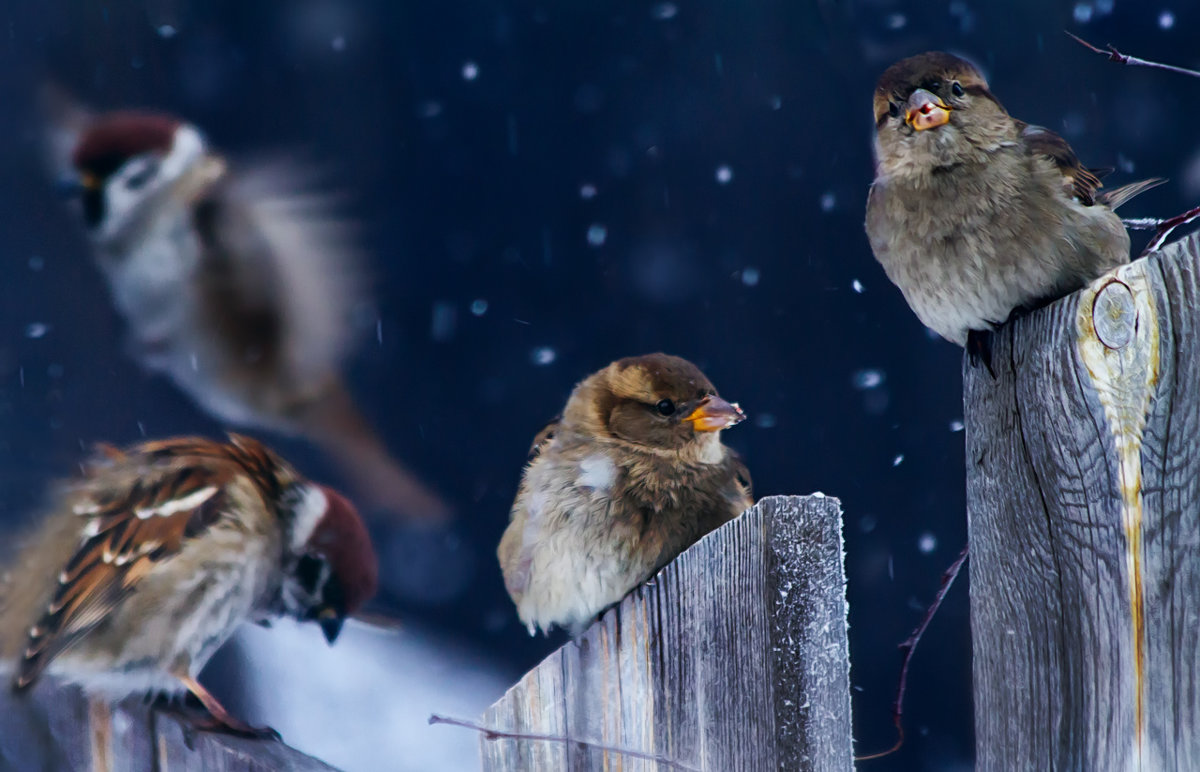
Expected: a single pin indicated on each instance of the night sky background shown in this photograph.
(545, 187)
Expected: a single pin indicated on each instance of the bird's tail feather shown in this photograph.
(336, 425)
(1118, 196)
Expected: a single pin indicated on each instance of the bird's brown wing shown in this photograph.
(123, 532)
(742, 475)
(1042, 141)
(543, 438)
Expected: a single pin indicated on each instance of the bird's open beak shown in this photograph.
(330, 622)
(714, 414)
(926, 111)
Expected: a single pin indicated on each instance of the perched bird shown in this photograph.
(974, 214)
(145, 565)
(631, 475)
(238, 285)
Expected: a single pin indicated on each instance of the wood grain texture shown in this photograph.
(1083, 498)
(734, 657)
(56, 729)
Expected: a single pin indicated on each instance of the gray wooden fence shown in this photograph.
(1083, 496)
(734, 657)
(56, 729)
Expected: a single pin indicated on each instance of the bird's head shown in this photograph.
(122, 162)
(655, 401)
(935, 110)
(332, 569)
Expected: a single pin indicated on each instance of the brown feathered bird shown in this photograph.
(974, 214)
(238, 284)
(632, 474)
(145, 565)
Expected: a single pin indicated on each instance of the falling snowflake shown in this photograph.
(927, 543)
(724, 174)
(664, 11)
(597, 234)
(750, 276)
(543, 355)
(868, 379)
(470, 71)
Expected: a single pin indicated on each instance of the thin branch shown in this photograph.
(909, 647)
(1142, 223)
(1116, 56)
(1164, 228)
(497, 734)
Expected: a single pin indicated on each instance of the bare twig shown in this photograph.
(1116, 56)
(1163, 228)
(909, 647)
(496, 734)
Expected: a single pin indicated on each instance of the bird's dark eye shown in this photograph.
(142, 175)
(309, 571)
(957, 89)
(893, 109)
(665, 407)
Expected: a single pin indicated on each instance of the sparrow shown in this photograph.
(237, 284)
(631, 475)
(976, 215)
(147, 563)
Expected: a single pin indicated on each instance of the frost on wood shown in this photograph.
(734, 657)
(55, 729)
(1083, 497)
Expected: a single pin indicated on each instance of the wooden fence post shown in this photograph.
(56, 729)
(1083, 497)
(734, 657)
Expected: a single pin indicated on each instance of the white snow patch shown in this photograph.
(597, 471)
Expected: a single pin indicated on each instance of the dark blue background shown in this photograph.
(470, 189)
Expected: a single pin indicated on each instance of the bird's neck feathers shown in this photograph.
(925, 159)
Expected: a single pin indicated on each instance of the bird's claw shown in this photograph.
(979, 349)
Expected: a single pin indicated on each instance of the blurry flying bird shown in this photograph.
(237, 283)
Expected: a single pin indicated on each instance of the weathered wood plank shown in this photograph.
(734, 657)
(56, 729)
(1083, 495)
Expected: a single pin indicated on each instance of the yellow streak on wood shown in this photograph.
(100, 720)
(1125, 377)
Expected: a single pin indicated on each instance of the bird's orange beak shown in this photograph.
(926, 111)
(714, 414)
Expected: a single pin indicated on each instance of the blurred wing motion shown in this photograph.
(286, 279)
(64, 121)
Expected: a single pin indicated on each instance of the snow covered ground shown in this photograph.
(363, 704)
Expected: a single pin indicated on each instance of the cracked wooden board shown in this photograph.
(1083, 490)
(734, 657)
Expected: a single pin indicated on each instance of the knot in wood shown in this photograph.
(1114, 315)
